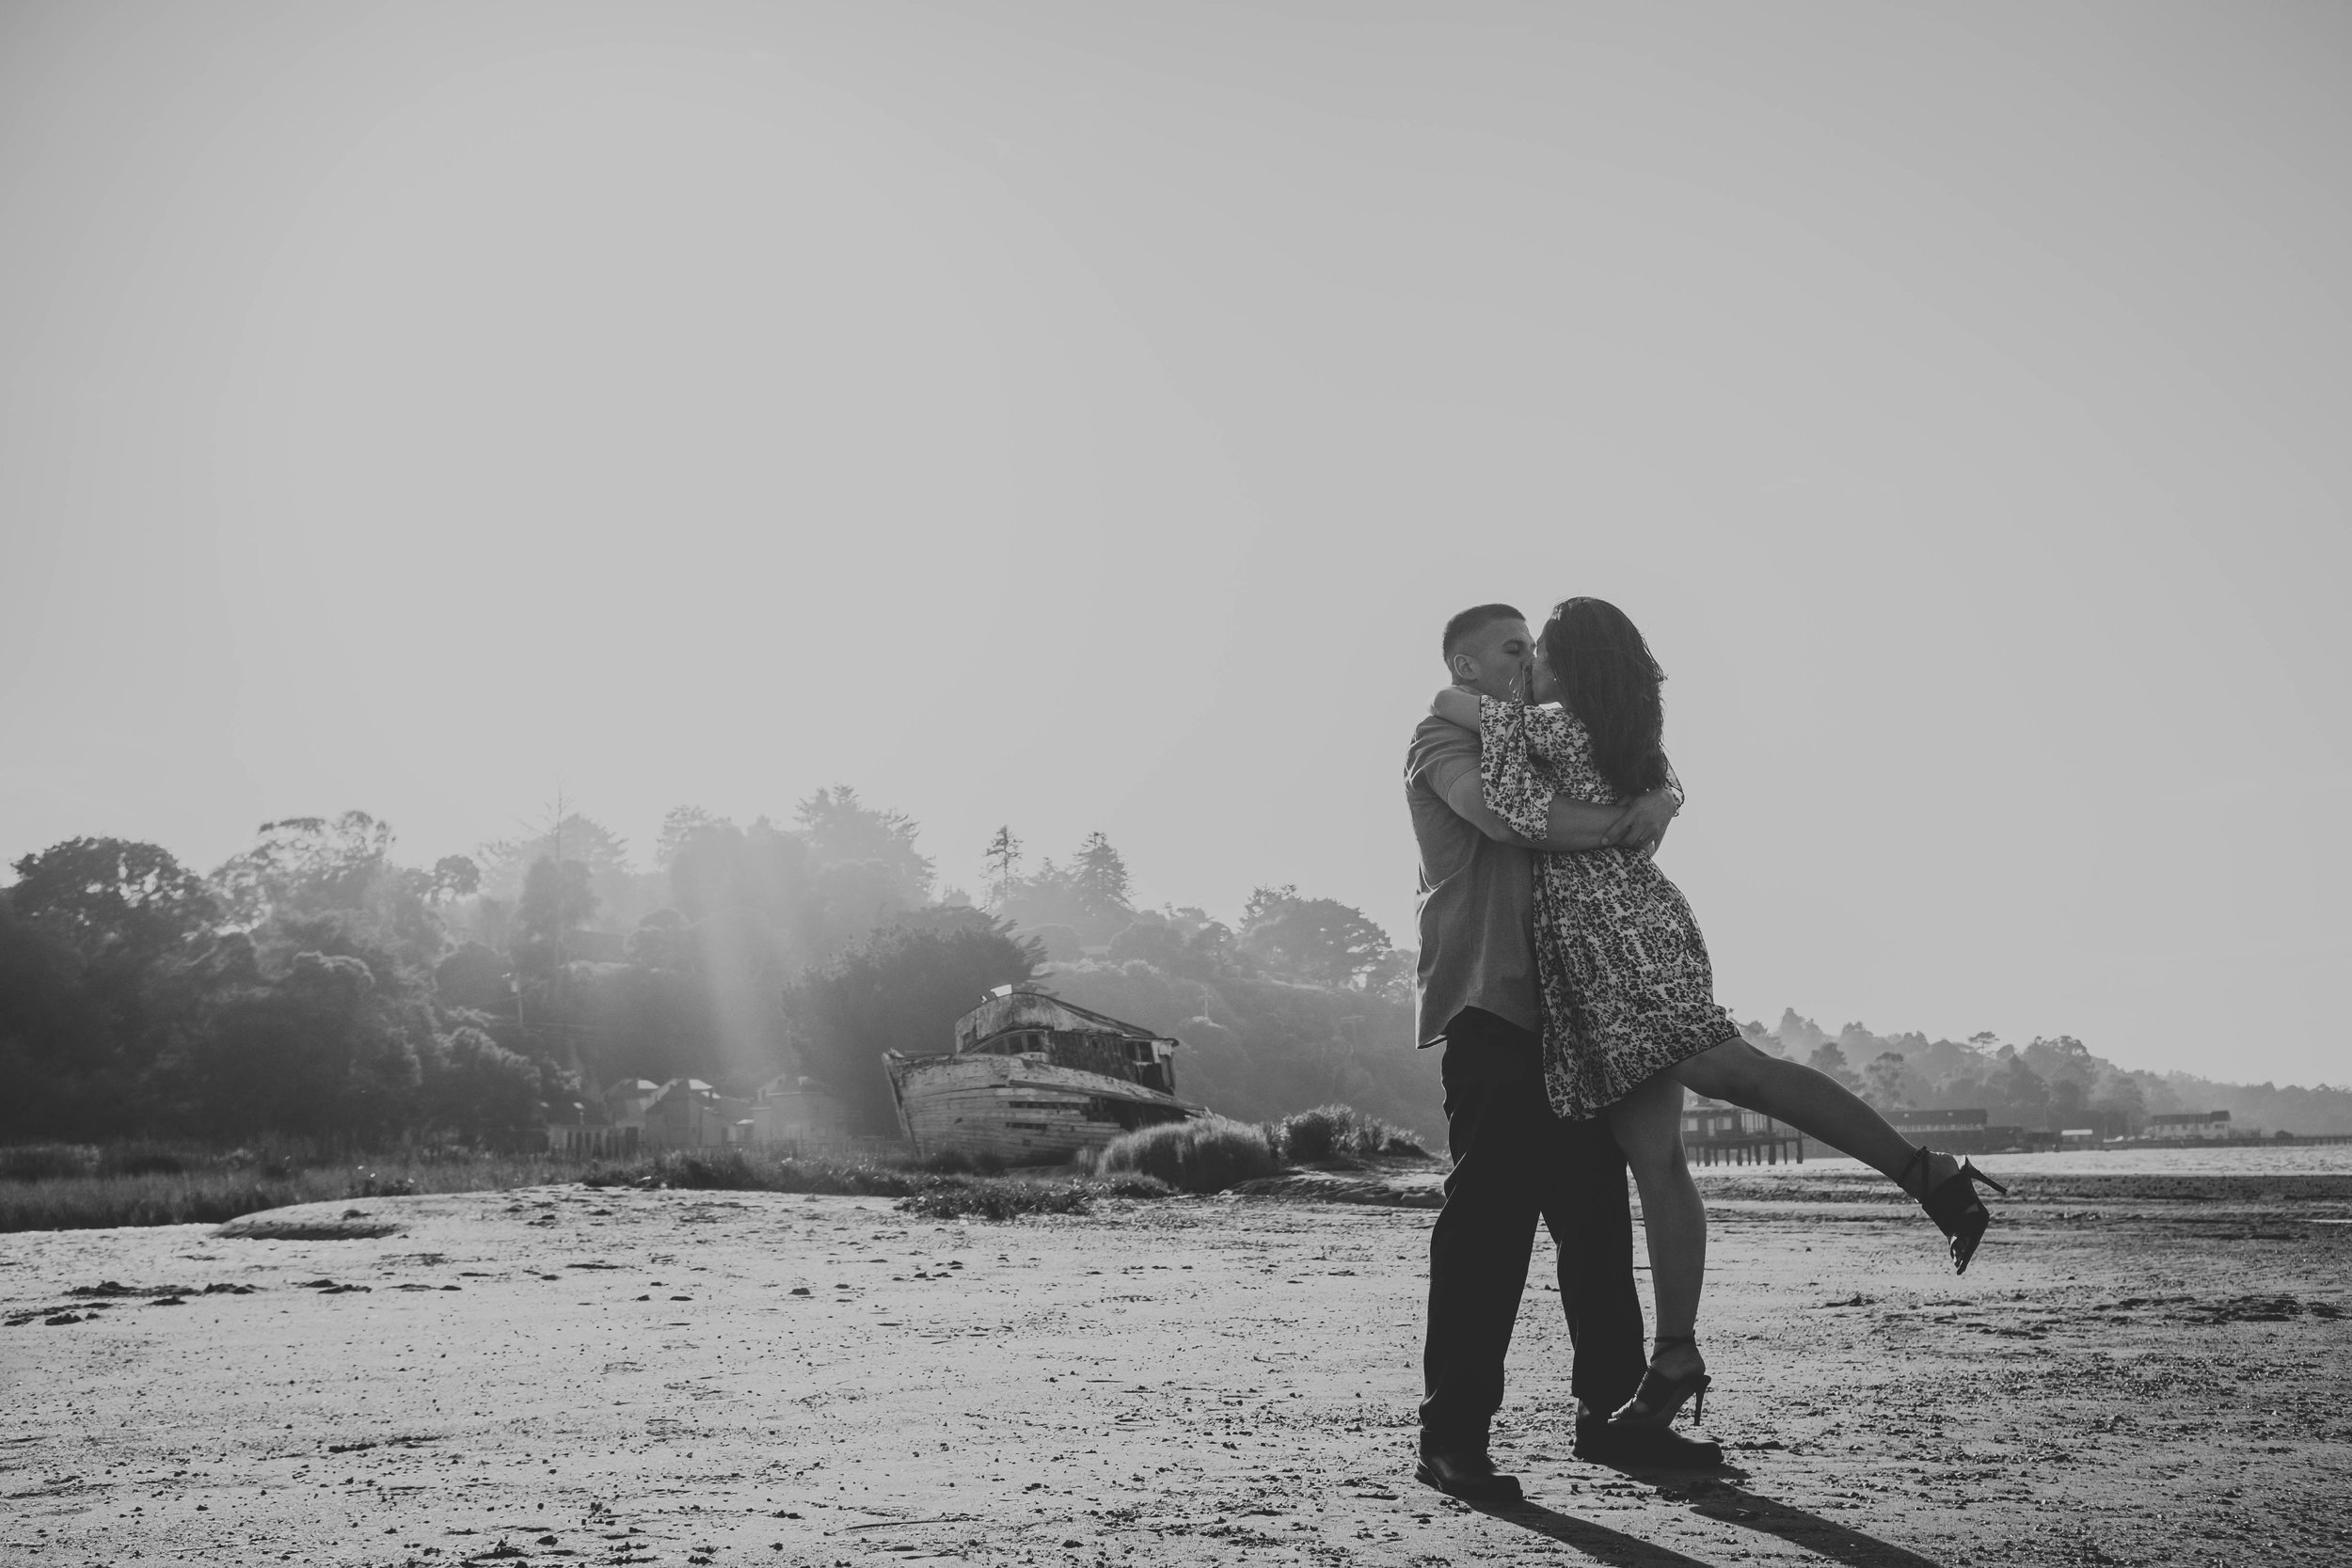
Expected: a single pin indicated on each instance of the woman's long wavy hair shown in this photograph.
(1610, 681)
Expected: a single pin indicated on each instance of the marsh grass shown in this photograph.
(149, 1184)
(43, 1162)
(1003, 1197)
(745, 1170)
(58, 1186)
(935, 1189)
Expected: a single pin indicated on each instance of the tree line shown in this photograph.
(313, 986)
(2051, 1084)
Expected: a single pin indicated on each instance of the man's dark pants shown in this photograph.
(1515, 1162)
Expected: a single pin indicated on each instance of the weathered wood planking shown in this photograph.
(1023, 1110)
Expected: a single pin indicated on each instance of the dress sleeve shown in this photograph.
(1555, 741)
(1517, 788)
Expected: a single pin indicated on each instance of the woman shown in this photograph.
(1630, 1018)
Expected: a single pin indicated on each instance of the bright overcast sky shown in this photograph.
(1085, 415)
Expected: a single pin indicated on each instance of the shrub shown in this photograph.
(367, 1183)
(1339, 1133)
(1205, 1156)
(270, 1162)
(1129, 1185)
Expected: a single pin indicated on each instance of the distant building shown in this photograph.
(2197, 1124)
(625, 1102)
(788, 1109)
(587, 1128)
(1968, 1131)
(1731, 1134)
(576, 1130)
(686, 1113)
(690, 1114)
(1923, 1122)
(1709, 1119)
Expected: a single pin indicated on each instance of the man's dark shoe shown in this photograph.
(1643, 1448)
(1467, 1474)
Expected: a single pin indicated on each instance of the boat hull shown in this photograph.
(1021, 1110)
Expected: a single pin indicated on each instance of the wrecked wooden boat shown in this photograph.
(1035, 1080)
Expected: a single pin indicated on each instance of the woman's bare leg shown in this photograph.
(1809, 1101)
(1647, 1124)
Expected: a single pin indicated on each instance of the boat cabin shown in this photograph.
(1023, 1024)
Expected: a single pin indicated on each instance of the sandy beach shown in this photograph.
(2146, 1365)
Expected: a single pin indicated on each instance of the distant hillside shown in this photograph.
(2045, 1083)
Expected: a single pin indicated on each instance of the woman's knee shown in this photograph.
(1724, 1071)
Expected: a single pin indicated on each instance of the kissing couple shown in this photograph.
(1569, 986)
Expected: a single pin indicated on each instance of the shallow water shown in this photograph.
(2250, 1160)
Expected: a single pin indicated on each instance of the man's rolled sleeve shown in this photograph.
(1448, 767)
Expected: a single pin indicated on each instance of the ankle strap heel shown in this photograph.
(1656, 1402)
(1953, 1204)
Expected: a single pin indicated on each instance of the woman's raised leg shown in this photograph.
(1806, 1099)
(1816, 1103)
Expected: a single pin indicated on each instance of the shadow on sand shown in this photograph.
(1596, 1541)
(1714, 1497)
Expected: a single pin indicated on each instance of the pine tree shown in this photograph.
(1100, 878)
(1003, 864)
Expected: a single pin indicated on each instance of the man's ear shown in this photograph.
(1464, 667)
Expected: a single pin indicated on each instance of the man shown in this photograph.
(1513, 1161)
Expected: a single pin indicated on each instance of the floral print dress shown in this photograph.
(1627, 988)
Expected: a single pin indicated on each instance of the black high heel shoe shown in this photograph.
(1660, 1396)
(1953, 1205)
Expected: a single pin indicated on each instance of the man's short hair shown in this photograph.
(1474, 621)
